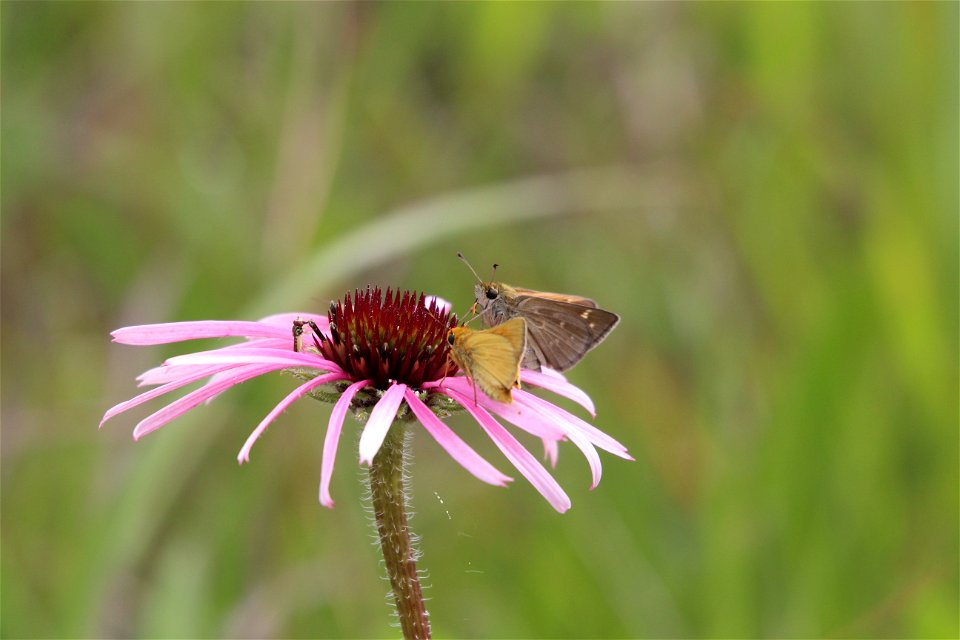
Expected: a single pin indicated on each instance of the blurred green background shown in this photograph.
(766, 193)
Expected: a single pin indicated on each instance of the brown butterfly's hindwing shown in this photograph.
(561, 334)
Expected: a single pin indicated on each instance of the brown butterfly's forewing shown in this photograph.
(558, 297)
(561, 328)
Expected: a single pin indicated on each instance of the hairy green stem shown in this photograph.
(399, 555)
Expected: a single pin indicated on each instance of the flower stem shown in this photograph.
(389, 507)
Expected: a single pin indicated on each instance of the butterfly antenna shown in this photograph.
(494, 273)
(469, 266)
(432, 314)
(475, 315)
(439, 321)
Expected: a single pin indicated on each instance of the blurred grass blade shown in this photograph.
(411, 227)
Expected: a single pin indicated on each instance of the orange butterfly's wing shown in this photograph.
(492, 357)
(513, 331)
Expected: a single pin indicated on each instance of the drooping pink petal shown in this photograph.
(551, 452)
(379, 422)
(164, 374)
(166, 332)
(533, 422)
(283, 345)
(453, 444)
(191, 400)
(332, 439)
(244, 455)
(167, 373)
(199, 374)
(579, 440)
(522, 459)
(255, 356)
(569, 422)
(527, 416)
(259, 349)
(559, 386)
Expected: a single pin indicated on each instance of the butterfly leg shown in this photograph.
(444, 378)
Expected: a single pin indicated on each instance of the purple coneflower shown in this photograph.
(384, 357)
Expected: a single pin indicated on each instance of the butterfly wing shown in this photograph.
(561, 333)
(556, 297)
(494, 358)
(514, 331)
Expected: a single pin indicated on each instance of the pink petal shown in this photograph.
(191, 400)
(285, 320)
(199, 374)
(572, 422)
(332, 439)
(530, 418)
(530, 421)
(559, 386)
(255, 356)
(438, 303)
(538, 417)
(379, 422)
(452, 444)
(522, 459)
(283, 344)
(179, 331)
(551, 452)
(164, 373)
(167, 372)
(215, 379)
(581, 442)
(244, 455)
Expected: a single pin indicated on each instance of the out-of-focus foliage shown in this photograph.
(767, 193)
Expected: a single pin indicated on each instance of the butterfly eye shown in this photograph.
(450, 337)
(492, 293)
